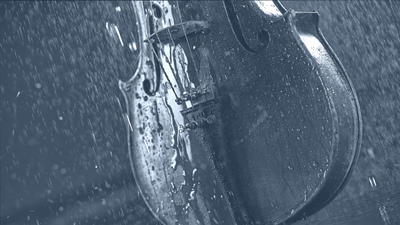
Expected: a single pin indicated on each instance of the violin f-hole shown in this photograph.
(157, 11)
(263, 35)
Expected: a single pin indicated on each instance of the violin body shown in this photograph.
(239, 113)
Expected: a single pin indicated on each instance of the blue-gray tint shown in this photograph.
(63, 138)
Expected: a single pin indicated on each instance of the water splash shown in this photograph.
(113, 31)
(384, 215)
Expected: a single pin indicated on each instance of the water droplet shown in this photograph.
(174, 160)
(38, 85)
(384, 215)
(192, 193)
(372, 181)
(114, 33)
(132, 46)
(371, 152)
(107, 184)
(194, 172)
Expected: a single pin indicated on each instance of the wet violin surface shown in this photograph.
(239, 113)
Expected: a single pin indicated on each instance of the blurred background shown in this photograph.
(64, 157)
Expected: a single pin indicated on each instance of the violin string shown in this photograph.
(187, 40)
(163, 52)
(167, 59)
(155, 54)
(165, 73)
(165, 55)
(170, 35)
(169, 63)
(179, 59)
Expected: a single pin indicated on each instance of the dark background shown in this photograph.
(63, 139)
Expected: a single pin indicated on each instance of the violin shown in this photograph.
(239, 113)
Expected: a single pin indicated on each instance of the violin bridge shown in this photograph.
(177, 31)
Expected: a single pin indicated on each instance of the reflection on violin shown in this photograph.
(240, 113)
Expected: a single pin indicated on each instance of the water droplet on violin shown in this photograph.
(371, 153)
(147, 87)
(320, 173)
(194, 172)
(174, 160)
(137, 96)
(150, 64)
(141, 131)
